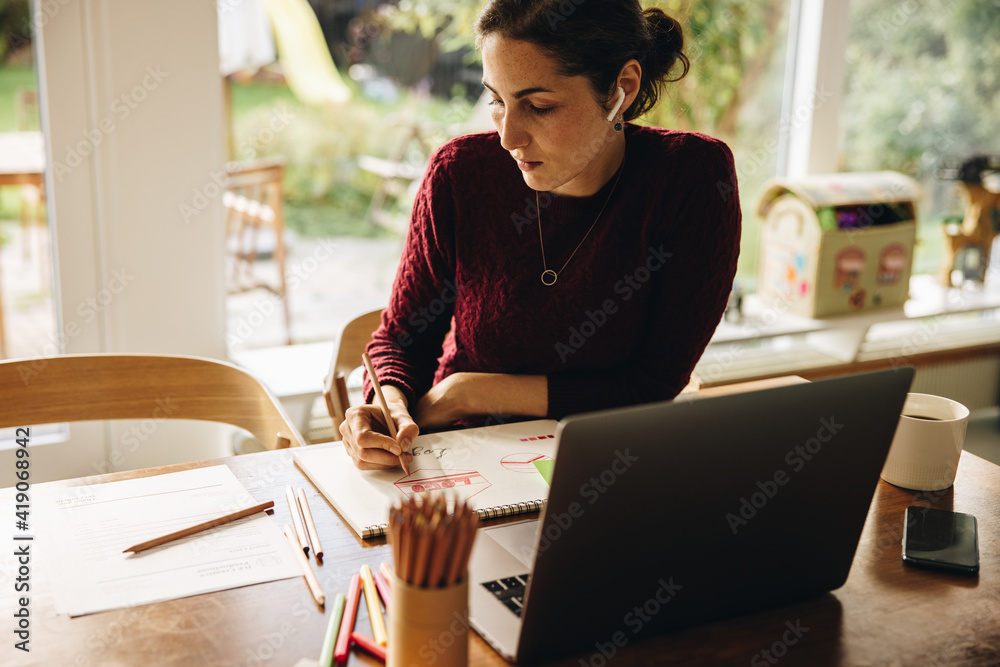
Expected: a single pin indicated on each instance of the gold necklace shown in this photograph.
(548, 273)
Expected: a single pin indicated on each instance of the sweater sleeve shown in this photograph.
(406, 346)
(690, 294)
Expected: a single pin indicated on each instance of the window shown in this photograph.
(923, 96)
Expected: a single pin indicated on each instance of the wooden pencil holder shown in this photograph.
(428, 625)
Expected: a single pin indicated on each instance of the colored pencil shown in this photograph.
(379, 631)
(368, 645)
(310, 524)
(351, 615)
(311, 580)
(332, 630)
(197, 528)
(293, 509)
(382, 584)
(390, 424)
(386, 571)
(430, 545)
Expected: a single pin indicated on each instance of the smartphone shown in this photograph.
(941, 539)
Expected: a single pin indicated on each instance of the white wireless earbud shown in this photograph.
(618, 104)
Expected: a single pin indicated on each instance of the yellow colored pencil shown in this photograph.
(379, 631)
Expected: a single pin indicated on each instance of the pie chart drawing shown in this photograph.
(523, 461)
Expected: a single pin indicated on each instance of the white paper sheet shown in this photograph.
(85, 529)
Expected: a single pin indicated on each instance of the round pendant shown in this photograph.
(549, 277)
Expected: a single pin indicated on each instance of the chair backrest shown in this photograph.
(255, 226)
(90, 387)
(354, 337)
(254, 220)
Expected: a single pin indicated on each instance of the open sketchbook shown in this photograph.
(491, 468)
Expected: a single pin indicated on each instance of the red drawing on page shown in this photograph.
(523, 462)
(463, 484)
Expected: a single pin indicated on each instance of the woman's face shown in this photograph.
(550, 124)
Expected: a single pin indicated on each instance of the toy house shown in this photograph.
(837, 243)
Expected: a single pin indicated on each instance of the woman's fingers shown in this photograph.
(406, 428)
(365, 436)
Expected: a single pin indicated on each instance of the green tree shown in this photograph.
(15, 26)
(731, 44)
(923, 88)
(923, 84)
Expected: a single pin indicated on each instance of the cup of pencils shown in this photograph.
(431, 541)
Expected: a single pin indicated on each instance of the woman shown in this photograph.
(569, 261)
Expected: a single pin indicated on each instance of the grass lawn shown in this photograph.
(13, 78)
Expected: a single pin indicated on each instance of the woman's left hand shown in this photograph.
(463, 395)
(443, 404)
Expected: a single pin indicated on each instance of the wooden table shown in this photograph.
(886, 614)
(22, 158)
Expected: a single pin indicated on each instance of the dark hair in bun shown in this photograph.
(595, 38)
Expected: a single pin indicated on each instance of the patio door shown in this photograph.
(131, 106)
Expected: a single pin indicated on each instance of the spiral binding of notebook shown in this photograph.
(486, 513)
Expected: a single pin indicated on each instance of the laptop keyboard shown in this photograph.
(510, 591)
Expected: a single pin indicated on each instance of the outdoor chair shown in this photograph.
(255, 229)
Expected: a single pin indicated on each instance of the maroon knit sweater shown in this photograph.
(629, 316)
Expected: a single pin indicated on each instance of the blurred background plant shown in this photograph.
(923, 89)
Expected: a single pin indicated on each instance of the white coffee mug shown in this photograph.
(928, 443)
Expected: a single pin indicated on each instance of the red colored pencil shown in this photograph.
(369, 645)
(350, 616)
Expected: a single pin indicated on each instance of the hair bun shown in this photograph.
(666, 45)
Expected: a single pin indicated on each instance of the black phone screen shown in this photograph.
(940, 539)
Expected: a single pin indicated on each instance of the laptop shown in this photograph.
(677, 513)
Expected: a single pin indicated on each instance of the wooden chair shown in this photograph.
(255, 218)
(398, 173)
(92, 387)
(354, 337)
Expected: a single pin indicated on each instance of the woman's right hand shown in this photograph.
(366, 436)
